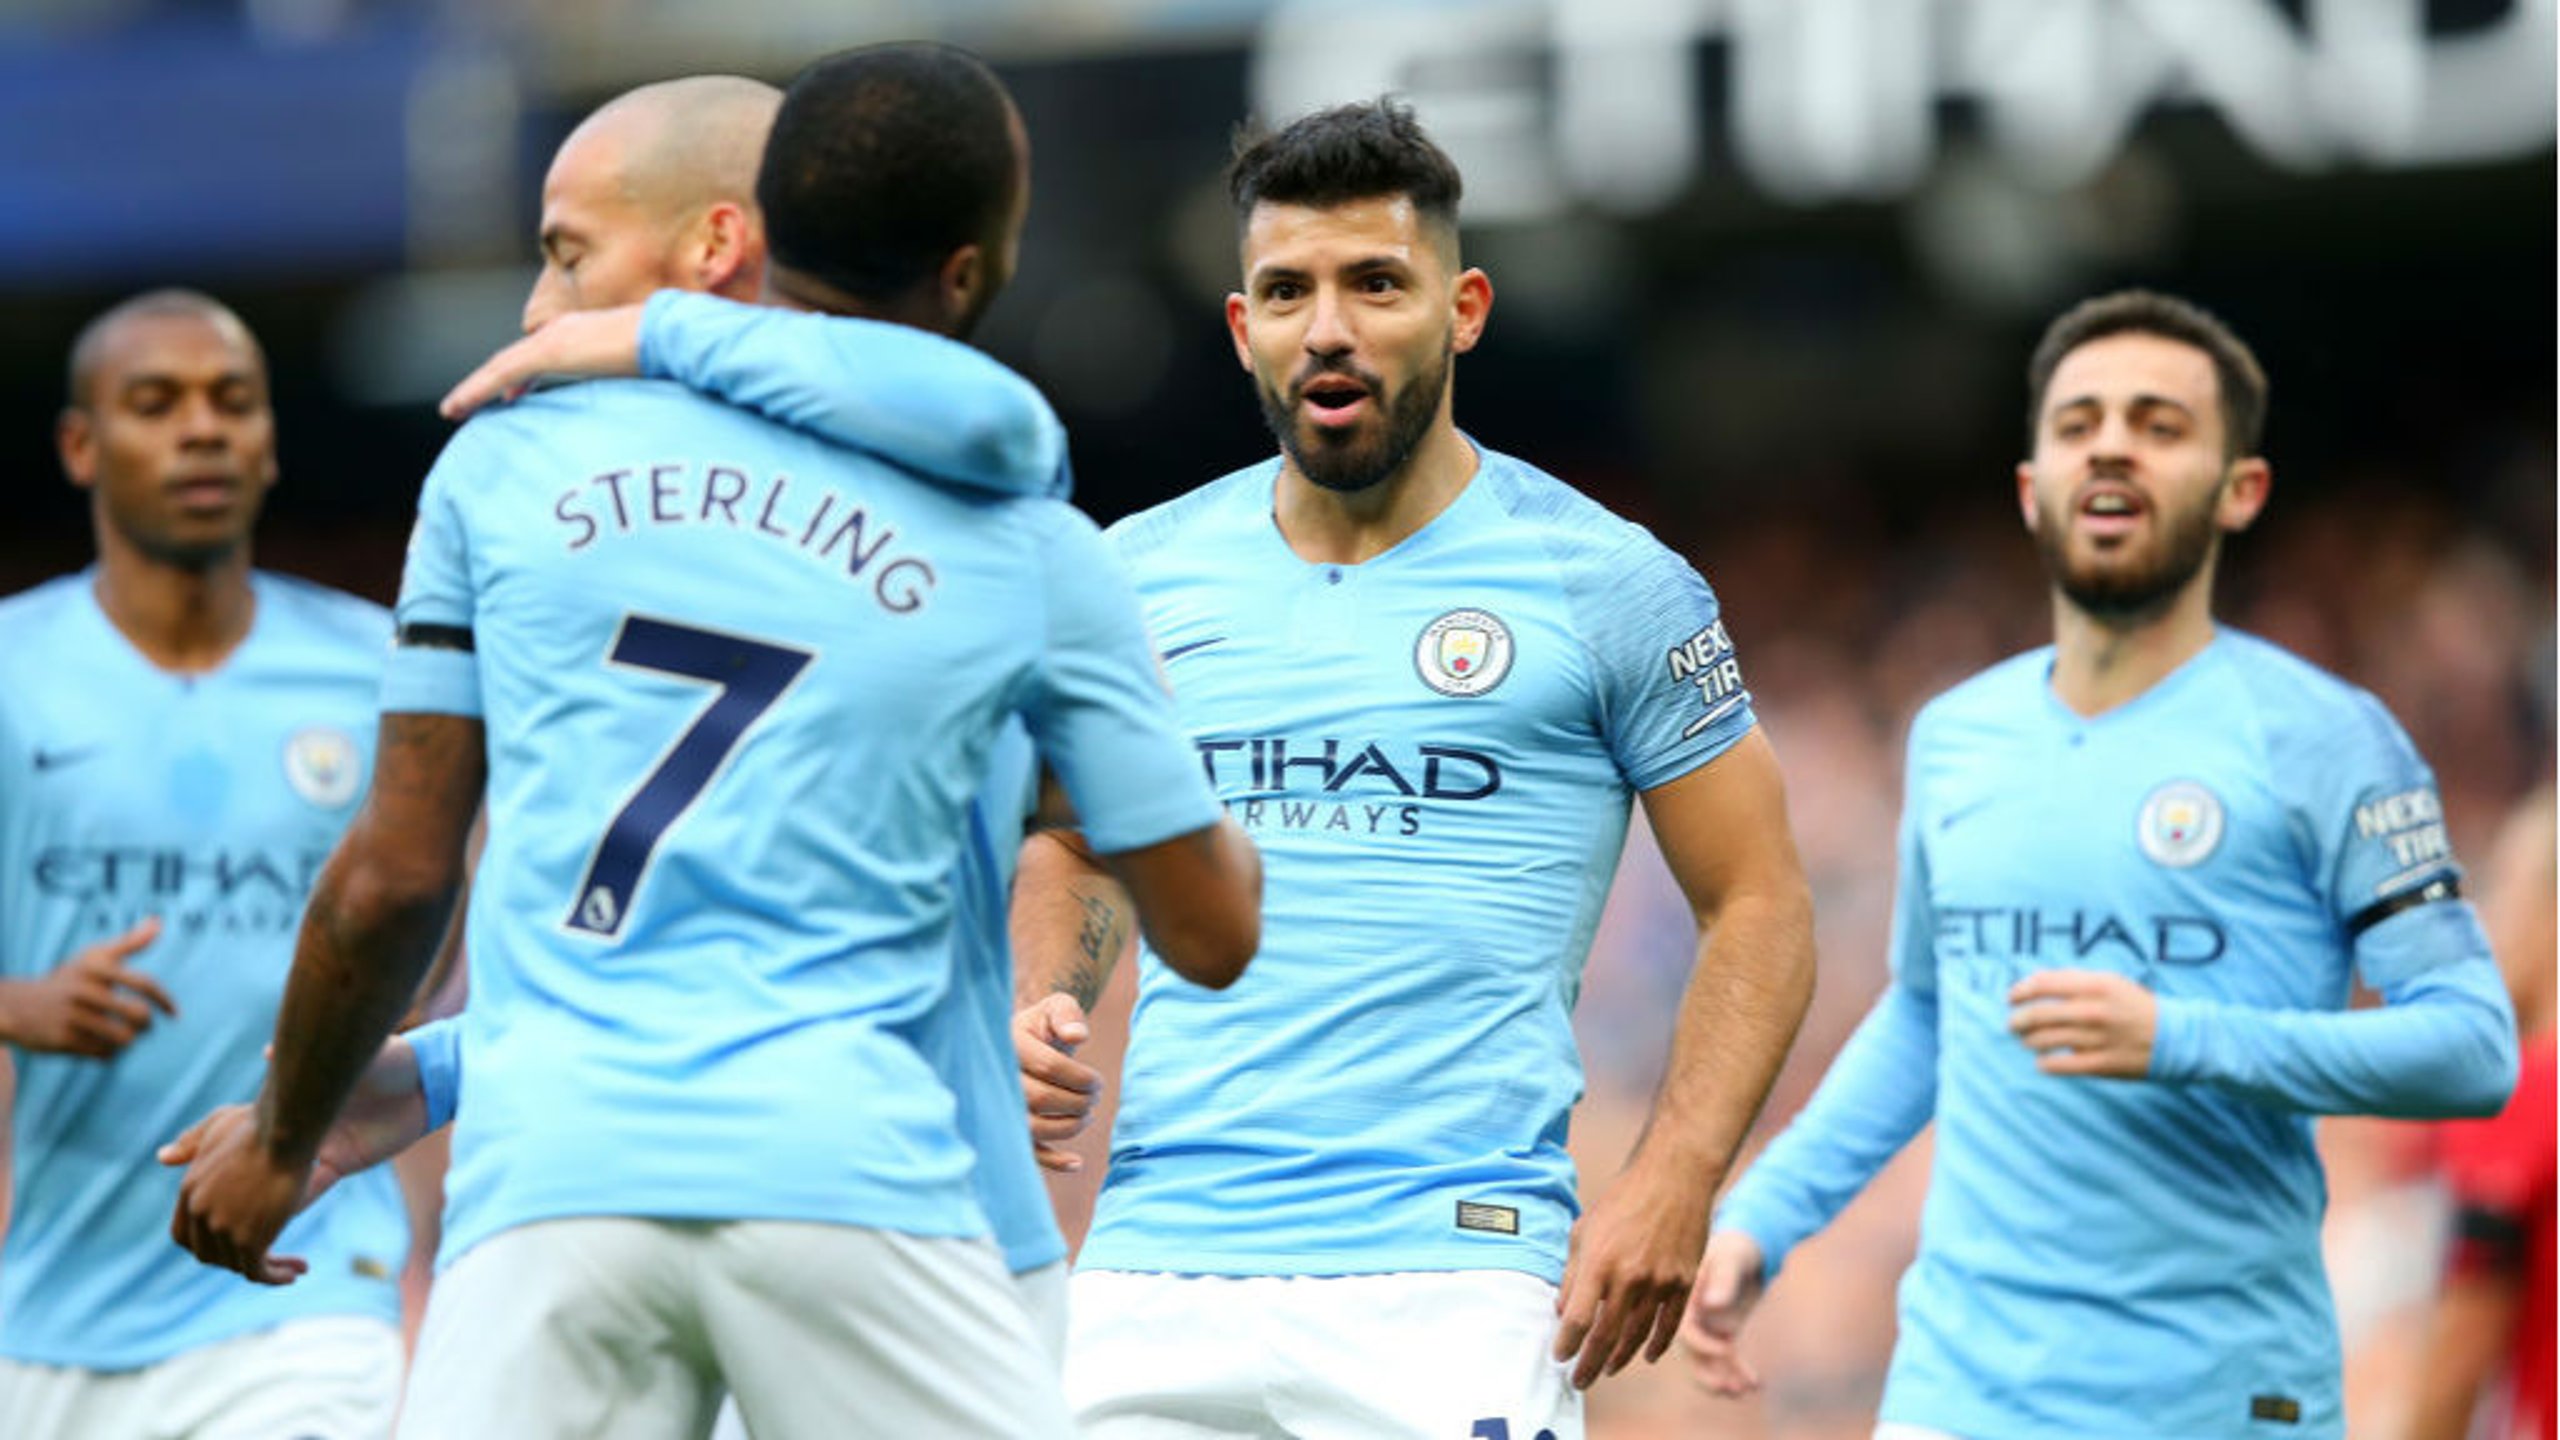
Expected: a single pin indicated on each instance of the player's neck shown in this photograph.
(181, 618)
(1346, 527)
(788, 289)
(2100, 663)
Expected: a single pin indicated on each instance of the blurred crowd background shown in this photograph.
(1767, 273)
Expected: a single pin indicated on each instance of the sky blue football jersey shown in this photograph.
(210, 801)
(1436, 751)
(967, 1038)
(740, 686)
(2142, 1258)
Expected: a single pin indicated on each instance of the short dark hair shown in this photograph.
(883, 160)
(2241, 384)
(1350, 152)
(88, 345)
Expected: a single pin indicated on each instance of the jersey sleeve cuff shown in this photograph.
(2176, 1041)
(438, 1048)
(1137, 825)
(1742, 1213)
(1723, 735)
(434, 682)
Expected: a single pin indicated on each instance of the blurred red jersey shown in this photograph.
(2501, 1173)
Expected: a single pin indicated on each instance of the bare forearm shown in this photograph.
(1071, 921)
(365, 944)
(1745, 1000)
(373, 922)
(2466, 1337)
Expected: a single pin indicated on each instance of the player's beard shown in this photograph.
(1357, 457)
(2117, 586)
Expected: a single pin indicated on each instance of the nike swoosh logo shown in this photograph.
(1178, 651)
(1948, 820)
(56, 759)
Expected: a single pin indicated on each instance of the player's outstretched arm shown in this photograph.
(91, 1005)
(370, 928)
(918, 399)
(1879, 1093)
(1723, 828)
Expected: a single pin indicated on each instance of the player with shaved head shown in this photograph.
(731, 691)
(182, 739)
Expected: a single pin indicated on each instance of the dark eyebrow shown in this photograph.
(2141, 401)
(1264, 275)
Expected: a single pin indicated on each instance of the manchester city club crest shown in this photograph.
(2180, 824)
(1465, 652)
(320, 763)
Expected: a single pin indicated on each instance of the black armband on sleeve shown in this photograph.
(2443, 887)
(435, 637)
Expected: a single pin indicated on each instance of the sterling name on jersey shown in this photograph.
(739, 687)
(2142, 1258)
(1435, 751)
(209, 801)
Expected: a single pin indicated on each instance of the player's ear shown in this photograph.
(725, 246)
(75, 438)
(2027, 495)
(964, 274)
(1471, 304)
(2244, 493)
(1236, 331)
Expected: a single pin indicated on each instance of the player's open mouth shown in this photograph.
(1334, 401)
(2110, 511)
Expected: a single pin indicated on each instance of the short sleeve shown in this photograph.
(434, 668)
(438, 1048)
(1671, 686)
(1098, 709)
(2380, 858)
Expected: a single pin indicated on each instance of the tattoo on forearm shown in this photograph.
(1099, 937)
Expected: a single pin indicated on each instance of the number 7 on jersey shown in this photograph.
(751, 674)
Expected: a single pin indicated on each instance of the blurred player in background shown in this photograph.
(2139, 871)
(718, 912)
(1428, 678)
(182, 740)
(656, 190)
(2490, 1337)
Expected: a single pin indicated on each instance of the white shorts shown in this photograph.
(335, 1377)
(1459, 1355)
(1044, 1294)
(632, 1328)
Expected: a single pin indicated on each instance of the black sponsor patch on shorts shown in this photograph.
(2281, 1409)
(1491, 1219)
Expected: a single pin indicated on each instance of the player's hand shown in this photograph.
(386, 1115)
(92, 1004)
(1060, 1089)
(579, 343)
(1729, 1285)
(1627, 1270)
(2086, 1022)
(236, 1198)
